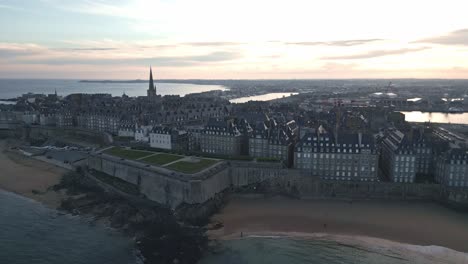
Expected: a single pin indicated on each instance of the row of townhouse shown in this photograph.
(398, 160)
(38, 118)
(346, 157)
(168, 138)
(272, 140)
(452, 168)
(236, 137)
(64, 119)
(99, 122)
(160, 137)
(222, 137)
(185, 116)
(407, 156)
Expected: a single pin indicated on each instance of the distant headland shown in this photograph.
(113, 81)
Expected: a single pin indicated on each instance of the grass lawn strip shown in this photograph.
(127, 153)
(191, 167)
(161, 159)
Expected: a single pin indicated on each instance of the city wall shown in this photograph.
(11, 127)
(44, 132)
(173, 189)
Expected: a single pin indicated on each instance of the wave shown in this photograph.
(391, 249)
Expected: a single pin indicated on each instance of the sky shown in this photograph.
(241, 39)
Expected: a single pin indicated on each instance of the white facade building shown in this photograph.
(160, 140)
(126, 131)
(142, 133)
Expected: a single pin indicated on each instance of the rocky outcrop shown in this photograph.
(159, 235)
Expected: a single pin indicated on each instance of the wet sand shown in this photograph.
(22, 175)
(418, 223)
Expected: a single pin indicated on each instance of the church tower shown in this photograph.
(152, 89)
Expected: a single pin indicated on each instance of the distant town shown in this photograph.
(178, 150)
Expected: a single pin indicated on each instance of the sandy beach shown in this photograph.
(22, 175)
(417, 223)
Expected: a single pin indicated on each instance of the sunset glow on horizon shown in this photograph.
(210, 39)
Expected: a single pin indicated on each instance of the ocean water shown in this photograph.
(279, 250)
(436, 117)
(262, 97)
(32, 233)
(12, 88)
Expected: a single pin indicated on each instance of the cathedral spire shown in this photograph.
(152, 88)
(151, 83)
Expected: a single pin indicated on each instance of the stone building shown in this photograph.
(47, 119)
(142, 133)
(194, 133)
(30, 118)
(344, 157)
(99, 122)
(398, 157)
(64, 119)
(168, 138)
(126, 130)
(452, 168)
(221, 137)
(272, 140)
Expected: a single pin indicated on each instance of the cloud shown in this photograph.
(344, 43)
(374, 54)
(170, 61)
(13, 50)
(146, 10)
(211, 44)
(459, 37)
(93, 49)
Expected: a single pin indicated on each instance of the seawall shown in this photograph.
(174, 189)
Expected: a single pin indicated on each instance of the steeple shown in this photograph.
(152, 88)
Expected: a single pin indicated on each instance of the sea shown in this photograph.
(436, 117)
(262, 97)
(280, 249)
(33, 233)
(12, 88)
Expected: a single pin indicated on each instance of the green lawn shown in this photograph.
(161, 159)
(191, 167)
(127, 153)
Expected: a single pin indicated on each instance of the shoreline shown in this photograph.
(418, 253)
(154, 230)
(420, 225)
(414, 223)
(29, 177)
